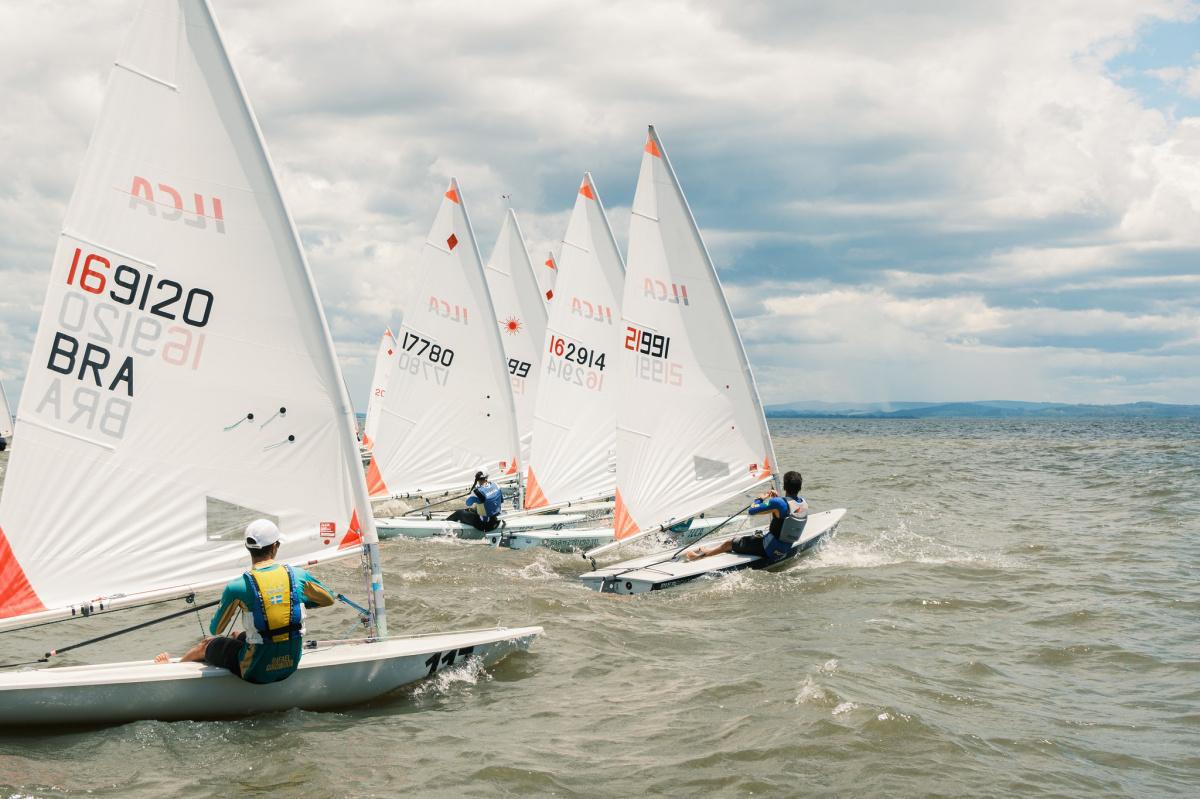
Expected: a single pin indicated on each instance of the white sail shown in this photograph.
(690, 431)
(574, 428)
(449, 404)
(383, 360)
(521, 317)
(182, 366)
(6, 425)
(547, 276)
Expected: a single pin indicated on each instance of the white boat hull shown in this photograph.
(661, 570)
(580, 539)
(416, 527)
(330, 677)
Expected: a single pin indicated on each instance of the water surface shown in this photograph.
(1010, 607)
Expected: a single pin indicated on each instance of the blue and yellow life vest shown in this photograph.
(278, 609)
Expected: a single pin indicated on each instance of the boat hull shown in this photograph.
(336, 676)
(659, 571)
(581, 539)
(426, 528)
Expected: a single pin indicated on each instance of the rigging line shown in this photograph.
(713, 530)
(132, 628)
(424, 508)
(79, 616)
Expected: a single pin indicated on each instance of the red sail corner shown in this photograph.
(17, 596)
(534, 496)
(623, 524)
(353, 536)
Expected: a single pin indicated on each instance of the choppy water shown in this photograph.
(1011, 608)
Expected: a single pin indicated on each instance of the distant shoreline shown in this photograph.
(991, 409)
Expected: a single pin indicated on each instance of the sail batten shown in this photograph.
(204, 364)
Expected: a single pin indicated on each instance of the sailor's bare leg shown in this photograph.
(193, 655)
(704, 552)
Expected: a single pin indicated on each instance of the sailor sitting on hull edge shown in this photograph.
(788, 516)
(484, 505)
(274, 597)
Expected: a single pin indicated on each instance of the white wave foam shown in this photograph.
(468, 673)
(811, 693)
(843, 708)
(897, 546)
(537, 570)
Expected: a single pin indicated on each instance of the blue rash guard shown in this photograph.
(780, 509)
(492, 498)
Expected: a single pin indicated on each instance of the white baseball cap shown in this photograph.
(262, 533)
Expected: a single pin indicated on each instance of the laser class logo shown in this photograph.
(168, 201)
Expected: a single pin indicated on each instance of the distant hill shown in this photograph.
(990, 409)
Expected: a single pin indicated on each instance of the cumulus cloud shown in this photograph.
(963, 198)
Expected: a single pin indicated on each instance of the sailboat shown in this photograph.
(691, 433)
(521, 317)
(383, 360)
(6, 426)
(574, 420)
(448, 408)
(183, 374)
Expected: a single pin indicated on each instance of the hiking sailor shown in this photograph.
(483, 505)
(274, 596)
(788, 516)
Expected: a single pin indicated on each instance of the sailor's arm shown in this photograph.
(231, 603)
(316, 595)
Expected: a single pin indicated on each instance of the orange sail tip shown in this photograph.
(585, 189)
(17, 596)
(353, 536)
(550, 262)
(652, 147)
(534, 496)
(452, 195)
(766, 470)
(623, 524)
(512, 466)
(375, 484)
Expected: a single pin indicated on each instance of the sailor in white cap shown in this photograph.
(274, 597)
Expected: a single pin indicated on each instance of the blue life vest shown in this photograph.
(278, 604)
(785, 531)
(490, 496)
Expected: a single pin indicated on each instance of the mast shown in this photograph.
(373, 566)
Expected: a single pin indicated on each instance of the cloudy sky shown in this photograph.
(936, 201)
